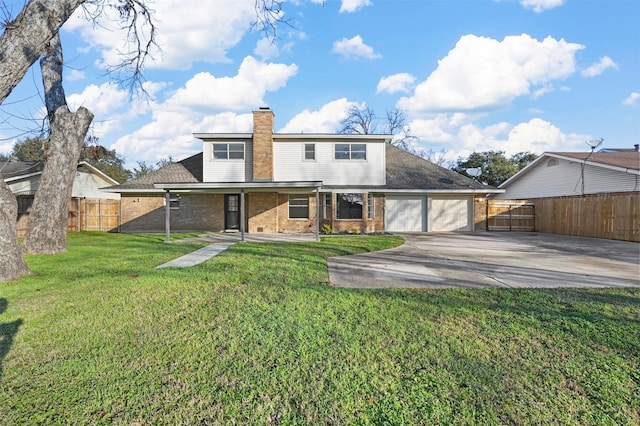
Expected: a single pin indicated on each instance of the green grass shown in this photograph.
(255, 336)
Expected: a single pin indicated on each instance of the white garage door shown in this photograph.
(447, 214)
(404, 213)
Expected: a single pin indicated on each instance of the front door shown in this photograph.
(231, 211)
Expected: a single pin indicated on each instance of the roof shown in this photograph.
(282, 137)
(16, 169)
(405, 172)
(622, 161)
(188, 170)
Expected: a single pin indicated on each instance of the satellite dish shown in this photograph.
(594, 144)
(474, 172)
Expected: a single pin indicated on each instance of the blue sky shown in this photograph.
(509, 75)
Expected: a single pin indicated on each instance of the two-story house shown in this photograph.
(266, 182)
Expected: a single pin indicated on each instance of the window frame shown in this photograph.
(339, 209)
(327, 206)
(347, 151)
(298, 197)
(305, 152)
(370, 206)
(228, 151)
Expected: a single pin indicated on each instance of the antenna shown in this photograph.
(594, 143)
(474, 172)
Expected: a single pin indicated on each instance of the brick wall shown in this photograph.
(197, 212)
(361, 226)
(262, 212)
(295, 225)
(263, 145)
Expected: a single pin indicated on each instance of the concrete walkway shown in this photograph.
(198, 256)
(223, 240)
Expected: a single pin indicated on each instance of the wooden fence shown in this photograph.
(85, 214)
(614, 216)
(510, 215)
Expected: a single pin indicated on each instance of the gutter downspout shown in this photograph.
(167, 216)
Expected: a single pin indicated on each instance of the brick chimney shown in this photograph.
(263, 144)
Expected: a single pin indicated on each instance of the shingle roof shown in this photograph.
(13, 168)
(627, 160)
(408, 171)
(187, 170)
(404, 171)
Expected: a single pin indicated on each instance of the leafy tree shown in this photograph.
(496, 168)
(28, 149)
(145, 168)
(107, 161)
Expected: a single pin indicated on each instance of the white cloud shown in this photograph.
(401, 82)
(539, 6)
(632, 99)
(349, 6)
(481, 73)
(266, 48)
(192, 30)
(75, 75)
(599, 67)
(325, 120)
(354, 48)
(204, 104)
(244, 91)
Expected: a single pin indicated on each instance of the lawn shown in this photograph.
(255, 336)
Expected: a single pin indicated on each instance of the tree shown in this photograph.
(496, 168)
(28, 149)
(47, 227)
(106, 160)
(145, 168)
(364, 121)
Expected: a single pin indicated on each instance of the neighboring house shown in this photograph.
(23, 177)
(556, 174)
(272, 182)
(88, 204)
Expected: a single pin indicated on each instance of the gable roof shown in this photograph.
(405, 171)
(627, 162)
(16, 170)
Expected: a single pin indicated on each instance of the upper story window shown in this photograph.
(351, 151)
(310, 151)
(228, 151)
(552, 162)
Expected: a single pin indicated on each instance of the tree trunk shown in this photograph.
(12, 264)
(26, 37)
(47, 227)
(20, 46)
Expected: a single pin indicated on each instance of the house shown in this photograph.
(266, 182)
(580, 193)
(23, 178)
(556, 174)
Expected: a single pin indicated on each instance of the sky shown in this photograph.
(470, 75)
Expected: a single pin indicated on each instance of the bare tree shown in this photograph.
(359, 121)
(47, 227)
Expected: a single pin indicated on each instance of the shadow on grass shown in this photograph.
(7, 333)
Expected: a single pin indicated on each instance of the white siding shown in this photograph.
(565, 178)
(448, 214)
(87, 185)
(27, 185)
(289, 164)
(404, 213)
(226, 170)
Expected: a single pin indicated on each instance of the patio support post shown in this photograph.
(317, 214)
(242, 215)
(167, 216)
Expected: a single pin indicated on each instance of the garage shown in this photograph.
(405, 213)
(450, 213)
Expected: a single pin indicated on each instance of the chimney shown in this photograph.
(263, 144)
(637, 147)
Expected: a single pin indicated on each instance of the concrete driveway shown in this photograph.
(492, 259)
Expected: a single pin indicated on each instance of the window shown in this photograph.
(350, 151)
(552, 162)
(228, 151)
(370, 206)
(298, 206)
(310, 151)
(326, 207)
(349, 206)
(174, 202)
